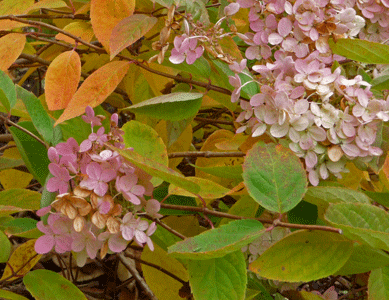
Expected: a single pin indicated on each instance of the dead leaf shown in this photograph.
(11, 45)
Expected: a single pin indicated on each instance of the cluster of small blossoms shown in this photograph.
(100, 197)
(324, 117)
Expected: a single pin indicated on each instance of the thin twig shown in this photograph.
(134, 272)
(168, 228)
(24, 130)
(206, 154)
(276, 222)
(54, 28)
(45, 16)
(205, 120)
(5, 138)
(159, 268)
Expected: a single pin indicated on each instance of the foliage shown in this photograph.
(222, 149)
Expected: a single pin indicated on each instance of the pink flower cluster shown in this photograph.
(326, 118)
(100, 197)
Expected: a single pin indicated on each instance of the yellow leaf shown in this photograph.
(83, 9)
(62, 79)
(353, 179)
(12, 152)
(106, 14)
(48, 4)
(21, 261)
(14, 179)
(11, 45)
(186, 225)
(81, 29)
(157, 82)
(216, 138)
(13, 7)
(95, 89)
(163, 286)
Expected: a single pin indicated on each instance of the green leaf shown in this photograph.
(173, 107)
(219, 278)
(382, 142)
(361, 222)
(34, 154)
(378, 285)
(41, 120)
(128, 31)
(219, 241)
(380, 83)
(155, 169)
(11, 296)
(8, 93)
(48, 285)
(381, 198)
(19, 226)
(274, 177)
(5, 249)
(161, 192)
(200, 67)
(245, 207)
(145, 141)
(323, 196)
(360, 50)
(304, 256)
(364, 259)
(303, 213)
(9, 163)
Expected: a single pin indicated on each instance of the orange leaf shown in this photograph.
(11, 45)
(13, 7)
(62, 79)
(81, 29)
(106, 14)
(95, 89)
(128, 31)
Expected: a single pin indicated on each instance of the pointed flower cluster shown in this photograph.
(305, 102)
(100, 197)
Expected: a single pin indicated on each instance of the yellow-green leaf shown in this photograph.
(128, 31)
(170, 287)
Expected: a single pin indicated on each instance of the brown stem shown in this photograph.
(206, 154)
(137, 277)
(48, 26)
(205, 120)
(168, 228)
(5, 138)
(24, 130)
(159, 268)
(276, 223)
(45, 16)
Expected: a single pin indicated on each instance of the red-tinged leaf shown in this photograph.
(62, 79)
(11, 45)
(128, 31)
(13, 7)
(106, 14)
(95, 89)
